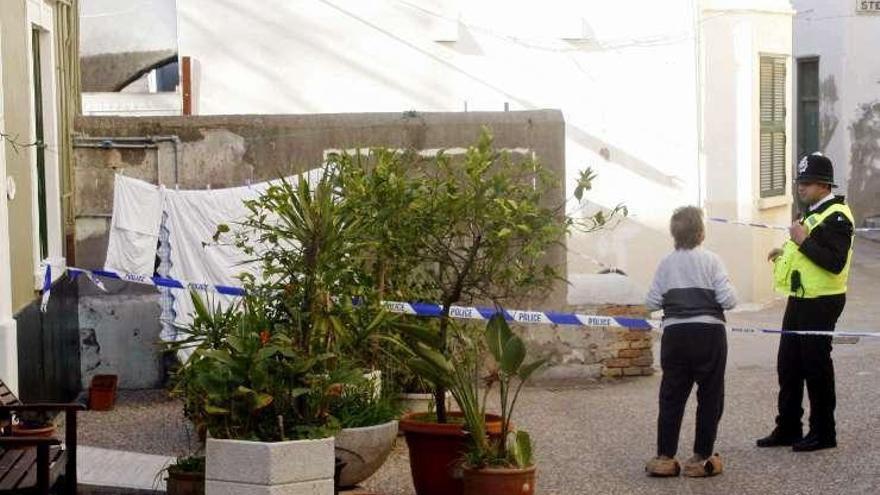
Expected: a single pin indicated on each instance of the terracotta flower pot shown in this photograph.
(20, 430)
(436, 450)
(499, 481)
(102, 392)
(185, 483)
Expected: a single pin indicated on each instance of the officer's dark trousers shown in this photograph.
(691, 353)
(805, 358)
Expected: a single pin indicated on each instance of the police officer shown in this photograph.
(812, 269)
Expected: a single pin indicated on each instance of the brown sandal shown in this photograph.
(663, 467)
(700, 467)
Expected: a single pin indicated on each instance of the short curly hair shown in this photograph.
(686, 227)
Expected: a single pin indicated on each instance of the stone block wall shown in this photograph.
(590, 353)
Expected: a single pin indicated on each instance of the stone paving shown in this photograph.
(595, 438)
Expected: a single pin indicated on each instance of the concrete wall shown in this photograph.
(845, 42)
(109, 72)
(120, 329)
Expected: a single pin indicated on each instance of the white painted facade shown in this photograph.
(660, 98)
(843, 35)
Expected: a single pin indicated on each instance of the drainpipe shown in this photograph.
(134, 142)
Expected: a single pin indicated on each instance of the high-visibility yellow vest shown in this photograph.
(815, 281)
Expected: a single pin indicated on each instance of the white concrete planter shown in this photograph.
(422, 403)
(364, 450)
(300, 467)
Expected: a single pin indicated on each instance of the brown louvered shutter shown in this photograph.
(773, 139)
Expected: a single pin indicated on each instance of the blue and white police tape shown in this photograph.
(520, 316)
(776, 227)
(47, 287)
(155, 281)
(555, 318)
(459, 312)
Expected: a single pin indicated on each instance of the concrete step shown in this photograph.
(116, 472)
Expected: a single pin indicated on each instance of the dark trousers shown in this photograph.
(805, 358)
(691, 353)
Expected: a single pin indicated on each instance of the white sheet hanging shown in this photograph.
(192, 217)
(134, 229)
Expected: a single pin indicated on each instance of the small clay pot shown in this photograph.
(499, 481)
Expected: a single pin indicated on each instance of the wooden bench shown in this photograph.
(36, 465)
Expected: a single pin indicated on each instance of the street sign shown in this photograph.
(868, 7)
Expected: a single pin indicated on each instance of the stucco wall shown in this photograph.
(17, 103)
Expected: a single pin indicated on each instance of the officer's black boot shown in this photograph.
(815, 441)
(781, 438)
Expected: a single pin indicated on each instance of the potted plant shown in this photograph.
(186, 476)
(415, 395)
(278, 368)
(262, 401)
(494, 464)
(264, 373)
(34, 424)
(484, 232)
(367, 417)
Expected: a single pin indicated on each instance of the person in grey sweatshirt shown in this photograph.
(692, 288)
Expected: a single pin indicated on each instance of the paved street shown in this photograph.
(596, 439)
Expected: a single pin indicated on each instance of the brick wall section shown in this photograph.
(590, 353)
(631, 353)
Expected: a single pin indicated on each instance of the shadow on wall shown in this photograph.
(828, 119)
(864, 185)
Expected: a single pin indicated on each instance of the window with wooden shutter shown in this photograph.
(773, 138)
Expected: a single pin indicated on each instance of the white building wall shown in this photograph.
(633, 79)
(626, 83)
(733, 40)
(846, 41)
(119, 26)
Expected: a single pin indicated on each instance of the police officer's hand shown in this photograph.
(775, 253)
(798, 233)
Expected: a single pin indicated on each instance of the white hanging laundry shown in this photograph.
(192, 217)
(134, 229)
